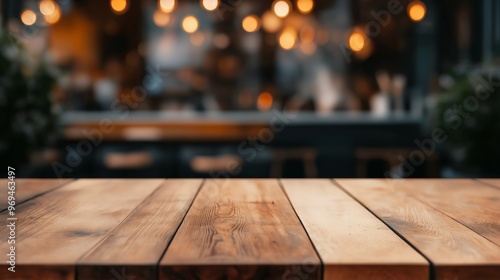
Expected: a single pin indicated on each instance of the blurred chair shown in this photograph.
(306, 155)
(390, 156)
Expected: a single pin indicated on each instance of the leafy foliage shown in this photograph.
(26, 118)
(469, 113)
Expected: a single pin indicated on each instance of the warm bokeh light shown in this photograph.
(416, 11)
(270, 22)
(161, 19)
(288, 38)
(54, 17)
(166, 6)
(322, 37)
(265, 101)
(308, 48)
(307, 34)
(119, 6)
(210, 5)
(190, 24)
(28, 17)
(305, 6)
(250, 23)
(221, 41)
(356, 41)
(47, 7)
(197, 39)
(281, 8)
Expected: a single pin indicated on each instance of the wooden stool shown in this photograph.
(307, 155)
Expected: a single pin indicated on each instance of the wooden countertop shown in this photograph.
(253, 229)
(215, 126)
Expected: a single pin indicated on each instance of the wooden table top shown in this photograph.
(135, 229)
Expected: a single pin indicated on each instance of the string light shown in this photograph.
(161, 19)
(270, 22)
(251, 23)
(119, 6)
(210, 5)
(265, 101)
(190, 24)
(288, 38)
(356, 41)
(47, 7)
(417, 10)
(281, 8)
(54, 17)
(166, 6)
(305, 6)
(28, 17)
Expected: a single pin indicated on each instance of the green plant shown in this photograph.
(27, 122)
(469, 114)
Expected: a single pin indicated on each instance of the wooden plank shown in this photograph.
(469, 202)
(456, 251)
(56, 229)
(492, 182)
(29, 188)
(240, 229)
(352, 243)
(135, 247)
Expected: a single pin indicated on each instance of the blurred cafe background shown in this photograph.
(240, 88)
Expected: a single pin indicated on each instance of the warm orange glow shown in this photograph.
(197, 39)
(265, 101)
(308, 48)
(251, 23)
(307, 34)
(119, 6)
(356, 41)
(28, 17)
(305, 6)
(161, 19)
(270, 22)
(210, 5)
(166, 6)
(416, 11)
(190, 24)
(281, 8)
(54, 17)
(47, 7)
(288, 38)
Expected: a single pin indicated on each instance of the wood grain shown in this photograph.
(240, 229)
(456, 251)
(492, 182)
(56, 229)
(352, 243)
(469, 202)
(136, 246)
(29, 188)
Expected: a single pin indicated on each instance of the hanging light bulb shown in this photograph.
(250, 23)
(119, 6)
(282, 8)
(166, 6)
(305, 6)
(190, 24)
(54, 17)
(287, 38)
(161, 19)
(270, 22)
(47, 7)
(416, 10)
(28, 17)
(356, 41)
(210, 5)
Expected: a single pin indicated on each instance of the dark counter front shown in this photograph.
(265, 144)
